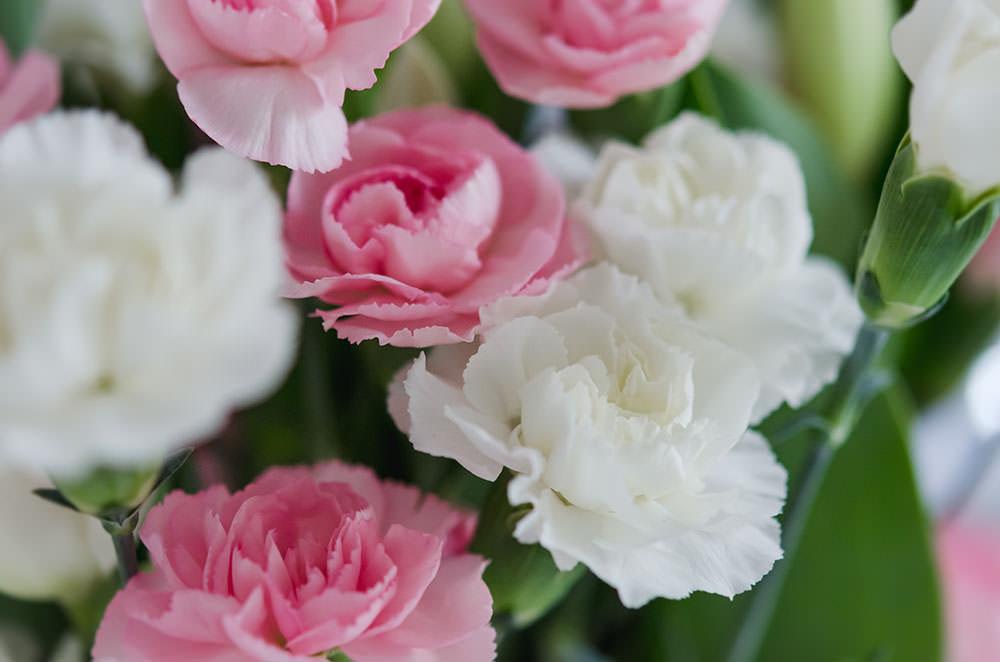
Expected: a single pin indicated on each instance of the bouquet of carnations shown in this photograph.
(518, 330)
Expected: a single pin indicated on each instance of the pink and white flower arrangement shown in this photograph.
(437, 214)
(304, 562)
(266, 78)
(586, 54)
(28, 87)
(625, 428)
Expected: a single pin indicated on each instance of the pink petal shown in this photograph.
(178, 39)
(259, 35)
(30, 88)
(456, 605)
(185, 521)
(267, 113)
(423, 12)
(417, 557)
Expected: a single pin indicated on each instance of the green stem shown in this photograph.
(761, 610)
(854, 388)
(125, 550)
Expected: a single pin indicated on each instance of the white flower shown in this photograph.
(950, 49)
(47, 552)
(717, 221)
(110, 36)
(133, 318)
(626, 428)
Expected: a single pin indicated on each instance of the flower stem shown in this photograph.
(857, 384)
(125, 550)
(762, 606)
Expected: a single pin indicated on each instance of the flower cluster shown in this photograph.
(647, 384)
(602, 329)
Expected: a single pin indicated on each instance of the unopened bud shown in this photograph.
(925, 232)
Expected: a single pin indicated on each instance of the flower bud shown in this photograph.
(523, 579)
(105, 489)
(926, 231)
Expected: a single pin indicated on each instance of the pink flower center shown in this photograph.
(424, 227)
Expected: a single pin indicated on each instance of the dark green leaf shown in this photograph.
(55, 496)
(17, 23)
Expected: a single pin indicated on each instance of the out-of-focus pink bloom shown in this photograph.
(969, 561)
(266, 78)
(588, 53)
(983, 273)
(302, 562)
(28, 87)
(437, 214)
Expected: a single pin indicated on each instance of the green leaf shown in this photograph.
(17, 23)
(863, 585)
(840, 214)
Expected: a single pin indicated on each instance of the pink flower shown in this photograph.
(27, 88)
(266, 78)
(588, 53)
(969, 562)
(300, 563)
(436, 214)
(983, 274)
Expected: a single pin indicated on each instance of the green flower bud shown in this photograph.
(106, 489)
(523, 579)
(926, 231)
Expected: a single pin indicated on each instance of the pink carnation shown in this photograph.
(436, 214)
(301, 563)
(969, 561)
(588, 53)
(266, 78)
(28, 88)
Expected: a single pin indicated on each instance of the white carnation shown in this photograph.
(133, 317)
(626, 428)
(950, 50)
(110, 36)
(47, 552)
(717, 222)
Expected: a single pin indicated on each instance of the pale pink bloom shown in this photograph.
(302, 562)
(969, 562)
(437, 214)
(588, 53)
(28, 87)
(983, 273)
(266, 78)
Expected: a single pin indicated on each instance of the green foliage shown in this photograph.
(17, 23)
